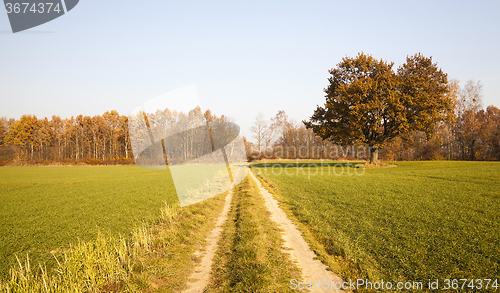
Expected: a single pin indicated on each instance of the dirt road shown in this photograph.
(312, 269)
(201, 274)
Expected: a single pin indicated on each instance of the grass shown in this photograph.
(153, 258)
(419, 221)
(250, 257)
(195, 183)
(45, 209)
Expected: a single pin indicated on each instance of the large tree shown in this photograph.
(368, 103)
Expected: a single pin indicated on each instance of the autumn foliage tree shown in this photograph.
(469, 119)
(24, 134)
(97, 139)
(490, 134)
(368, 103)
(3, 130)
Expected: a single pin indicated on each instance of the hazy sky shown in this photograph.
(244, 57)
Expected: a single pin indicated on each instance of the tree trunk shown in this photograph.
(472, 156)
(373, 155)
(126, 146)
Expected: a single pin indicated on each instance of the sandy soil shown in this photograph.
(313, 270)
(201, 274)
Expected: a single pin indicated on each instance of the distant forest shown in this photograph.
(97, 139)
(474, 134)
(101, 139)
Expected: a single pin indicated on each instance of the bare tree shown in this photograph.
(468, 124)
(281, 125)
(260, 130)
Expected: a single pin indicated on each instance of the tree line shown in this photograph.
(173, 137)
(97, 139)
(106, 139)
(412, 113)
(471, 133)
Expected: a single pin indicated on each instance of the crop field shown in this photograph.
(415, 222)
(44, 210)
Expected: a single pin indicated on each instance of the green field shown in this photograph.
(46, 209)
(419, 221)
(250, 256)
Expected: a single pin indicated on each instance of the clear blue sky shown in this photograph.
(245, 57)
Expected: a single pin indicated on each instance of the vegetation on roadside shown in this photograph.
(164, 266)
(420, 221)
(250, 257)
